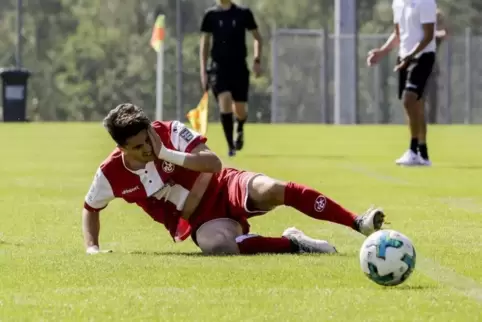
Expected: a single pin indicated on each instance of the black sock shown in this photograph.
(240, 125)
(295, 248)
(422, 147)
(228, 127)
(414, 145)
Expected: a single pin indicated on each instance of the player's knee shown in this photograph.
(225, 248)
(219, 244)
(267, 191)
(240, 110)
(276, 192)
(225, 102)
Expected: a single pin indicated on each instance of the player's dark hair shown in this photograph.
(125, 121)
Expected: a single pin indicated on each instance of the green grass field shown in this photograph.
(46, 169)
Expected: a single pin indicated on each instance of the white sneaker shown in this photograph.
(371, 221)
(424, 162)
(409, 158)
(307, 244)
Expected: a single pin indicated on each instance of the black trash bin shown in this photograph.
(14, 92)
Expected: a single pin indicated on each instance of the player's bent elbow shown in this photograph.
(215, 164)
(207, 162)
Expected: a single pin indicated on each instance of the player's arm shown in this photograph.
(202, 159)
(205, 42)
(204, 47)
(392, 42)
(442, 30)
(375, 55)
(190, 150)
(428, 17)
(98, 197)
(90, 229)
(252, 26)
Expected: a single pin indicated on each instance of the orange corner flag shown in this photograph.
(198, 117)
(158, 32)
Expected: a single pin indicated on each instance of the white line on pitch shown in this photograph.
(434, 270)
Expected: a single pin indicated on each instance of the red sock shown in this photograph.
(316, 205)
(254, 244)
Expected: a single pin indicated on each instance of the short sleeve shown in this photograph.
(396, 12)
(100, 193)
(428, 11)
(250, 21)
(396, 17)
(183, 138)
(206, 25)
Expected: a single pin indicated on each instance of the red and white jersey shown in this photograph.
(161, 188)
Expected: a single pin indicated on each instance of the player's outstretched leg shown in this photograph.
(266, 193)
(306, 244)
(224, 236)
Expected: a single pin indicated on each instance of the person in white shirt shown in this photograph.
(414, 33)
(441, 33)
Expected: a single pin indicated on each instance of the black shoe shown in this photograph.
(239, 141)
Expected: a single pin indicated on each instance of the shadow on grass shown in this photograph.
(413, 287)
(463, 167)
(185, 254)
(4, 242)
(199, 254)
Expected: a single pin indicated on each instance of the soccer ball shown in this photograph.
(387, 257)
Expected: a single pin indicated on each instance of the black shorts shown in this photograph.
(231, 77)
(414, 78)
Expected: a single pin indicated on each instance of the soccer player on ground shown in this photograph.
(227, 74)
(168, 170)
(415, 35)
(441, 34)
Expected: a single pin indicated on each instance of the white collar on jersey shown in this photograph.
(138, 172)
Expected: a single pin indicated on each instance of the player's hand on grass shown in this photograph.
(93, 250)
(155, 140)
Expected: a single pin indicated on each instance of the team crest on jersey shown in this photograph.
(168, 167)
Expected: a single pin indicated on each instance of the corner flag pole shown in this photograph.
(160, 83)
(157, 43)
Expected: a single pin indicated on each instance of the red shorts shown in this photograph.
(225, 197)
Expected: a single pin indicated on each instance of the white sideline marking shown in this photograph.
(466, 204)
(373, 174)
(432, 269)
(445, 275)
